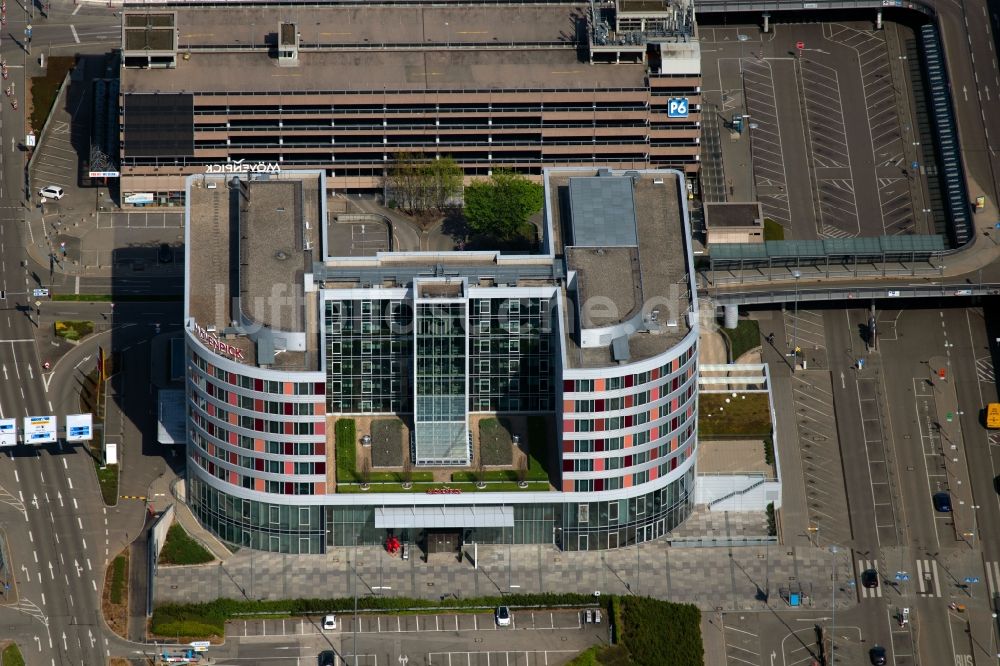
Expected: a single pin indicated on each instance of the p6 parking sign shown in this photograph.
(677, 107)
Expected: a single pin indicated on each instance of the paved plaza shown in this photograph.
(711, 578)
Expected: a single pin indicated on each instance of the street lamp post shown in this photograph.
(833, 601)
(795, 322)
(354, 650)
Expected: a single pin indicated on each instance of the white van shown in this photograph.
(51, 192)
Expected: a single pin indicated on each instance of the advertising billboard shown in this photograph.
(79, 427)
(39, 429)
(8, 432)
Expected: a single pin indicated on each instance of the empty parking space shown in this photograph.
(826, 497)
(140, 220)
(742, 636)
(886, 523)
(498, 658)
(829, 126)
(769, 175)
(56, 161)
(441, 622)
(884, 125)
(831, 159)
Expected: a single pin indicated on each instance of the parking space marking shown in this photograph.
(500, 657)
(742, 646)
(766, 154)
(884, 125)
(984, 370)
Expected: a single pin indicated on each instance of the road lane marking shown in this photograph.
(76, 37)
(65, 466)
(79, 522)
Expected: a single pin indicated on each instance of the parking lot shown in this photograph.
(505, 658)
(441, 622)
(828, 129)
(140, 220)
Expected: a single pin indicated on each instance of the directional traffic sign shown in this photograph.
(971, 579)
(902, 576)
(800, 45)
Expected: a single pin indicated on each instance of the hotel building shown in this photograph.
(308, 334)
(346, 88)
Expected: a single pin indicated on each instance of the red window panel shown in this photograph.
(598, 425)
(289, 428)
(258, 464)
(600, 405)
(319, 388)
(210, 389)
(232, 458)
(673, 463)
(567, 465)
(567, 446)
(628, 461)
(211, 467)
(258, 384)
(629, 381)
(656, 373)
(231, 378)
(320, 428)
(598, 484)
(629, 399)
(319, 448)
(599, 445)
(567, 386)
(628, 421)
(568, 425)
(258, 425)
(288, 488)
(289, 448)
(321, 468)
(258, 405)
(288, 408)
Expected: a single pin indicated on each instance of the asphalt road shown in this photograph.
(58, 531)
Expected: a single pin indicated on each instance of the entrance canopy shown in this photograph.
(424, 517)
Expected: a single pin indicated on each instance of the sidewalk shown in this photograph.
(730, 578)
(949, 436)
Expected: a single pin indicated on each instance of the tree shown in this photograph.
(366, 472)
(443, 179)
(418, 184)
(501, 206)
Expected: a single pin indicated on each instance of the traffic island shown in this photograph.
(114, 602)
(11, 655)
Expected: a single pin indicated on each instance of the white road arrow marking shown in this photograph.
(65, 645)
(59, 497)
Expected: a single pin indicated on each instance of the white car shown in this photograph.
(51, 192)
(329, 622)
(503, 616)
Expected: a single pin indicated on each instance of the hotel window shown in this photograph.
(515, 366)
(585, 385)
(366, 386)
(515, 306)
(484, 366)
(484, 307)
(583, 511)
(367, 327)
(335, 346)
(336, 328)
(335, 386)
(367, 346)
(484, 386)
(366, 405)
(514, 346)
(366, 367)
(586, 465)
(640, 505)
(613, 511)
(543, 344)
(484, 326)
(484, 346)
(583, 486)
(366, 307)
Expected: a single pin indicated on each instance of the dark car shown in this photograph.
(165, 254)
(877, 655)
(327, 658)
(869, 578)
(942, 502)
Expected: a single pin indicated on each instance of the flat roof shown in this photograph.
(614, 284)
(371, 70)
(247, 258)
(602, 212)
(733, 214)
(325, 25)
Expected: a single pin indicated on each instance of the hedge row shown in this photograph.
(208, 619)
(660, 633)
(346, 437)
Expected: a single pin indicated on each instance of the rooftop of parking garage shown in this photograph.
(249, 249)
(431, 68)
(335, 24)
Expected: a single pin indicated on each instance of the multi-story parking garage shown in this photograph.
(339, 396)
(347, 88)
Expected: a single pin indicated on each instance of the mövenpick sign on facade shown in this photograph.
(218, 345)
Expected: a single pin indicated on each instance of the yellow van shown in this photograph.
(993, 415)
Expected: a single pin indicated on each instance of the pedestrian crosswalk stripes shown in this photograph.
(869, 592)
(993, 577)
(928, 582)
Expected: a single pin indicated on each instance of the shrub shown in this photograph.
(746, 415)
(661, 633)
(495, 442)
(769, 450)
(773, 231)
(346, 435)
(772, 524)
(118, 579)
(179, 548)
(743, 338)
